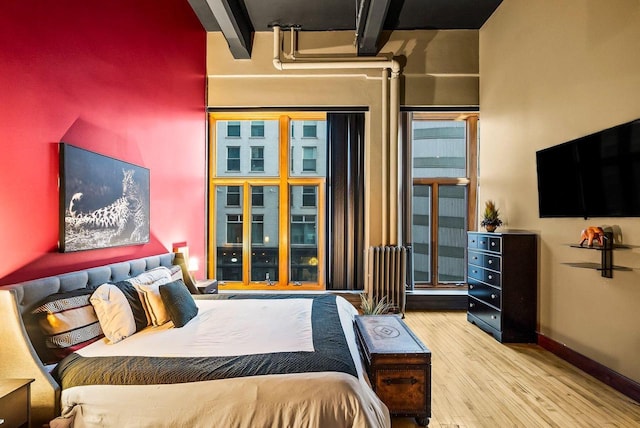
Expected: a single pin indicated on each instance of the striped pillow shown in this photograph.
(119, 309)
(68, 321)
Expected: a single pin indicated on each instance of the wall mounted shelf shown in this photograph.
(606, 265)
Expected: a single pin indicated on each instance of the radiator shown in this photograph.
(387, 275)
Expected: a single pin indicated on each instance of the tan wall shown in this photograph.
(552, 71)
(439, 68)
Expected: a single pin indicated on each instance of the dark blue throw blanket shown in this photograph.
(331, 354)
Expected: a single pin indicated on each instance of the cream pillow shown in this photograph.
(114, 312)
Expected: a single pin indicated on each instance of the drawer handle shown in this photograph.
(471, 305)
(493, 296)
(475, 271)
(493, 317)
(400, 380)
(490, 276)
(471, 286)
(490, 262)
(493, 244)
(475, 258)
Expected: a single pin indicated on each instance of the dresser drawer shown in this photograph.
(475, 258)
(472, 241)
(494, 244)
(487, 260)
(475, 272)
(492, 278)
(484, 275)
(485, 312)
(492, 262)
(485, 293)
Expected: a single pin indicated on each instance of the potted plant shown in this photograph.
(371, 306)
(491, 218)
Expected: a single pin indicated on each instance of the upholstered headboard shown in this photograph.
(18, 356)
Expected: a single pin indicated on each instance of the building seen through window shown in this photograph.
(252, 255)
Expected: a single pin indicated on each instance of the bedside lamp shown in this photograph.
(181, 258)
(193, 266)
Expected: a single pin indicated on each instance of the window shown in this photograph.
(303, 229)
(257, 229)
(309, 156)
(442, 156)
(233, 158)
(257, 129)
(309, 130)
(233, 129)
(233, 196)
(257, 159)
(282, 245)
(234, 229)
(308, 196)
(257, 196)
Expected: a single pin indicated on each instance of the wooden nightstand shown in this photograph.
(15, 403)
(398, 365)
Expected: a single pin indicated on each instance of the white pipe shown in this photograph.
(394, 109)
(385, 150)
(390, 113)
(319, 64)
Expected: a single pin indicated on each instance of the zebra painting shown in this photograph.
(104, 202)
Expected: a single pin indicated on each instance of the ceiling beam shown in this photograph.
(370, 22)
(231, 17)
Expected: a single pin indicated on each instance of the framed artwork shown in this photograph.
(104, 202)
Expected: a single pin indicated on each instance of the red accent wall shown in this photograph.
(122, 78)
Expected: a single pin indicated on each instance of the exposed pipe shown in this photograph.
(390, 113)
(385, 151)
(335, 63)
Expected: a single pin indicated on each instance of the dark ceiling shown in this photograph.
(238, 19)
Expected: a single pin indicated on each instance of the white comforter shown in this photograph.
(231, 327)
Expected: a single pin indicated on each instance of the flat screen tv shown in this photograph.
(593, 176)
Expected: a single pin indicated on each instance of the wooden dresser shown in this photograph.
(503, 283)
(398, 365)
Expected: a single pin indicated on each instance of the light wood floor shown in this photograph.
(478, 382)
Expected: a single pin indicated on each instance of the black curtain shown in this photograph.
(345, 201)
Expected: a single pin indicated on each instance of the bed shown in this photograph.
(229, 365)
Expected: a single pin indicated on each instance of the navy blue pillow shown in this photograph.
(179, 303)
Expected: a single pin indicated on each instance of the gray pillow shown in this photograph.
(178, 302)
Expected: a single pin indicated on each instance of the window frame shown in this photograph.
(470, 182)
(284, 180)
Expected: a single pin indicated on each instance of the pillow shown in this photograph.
(119, 310)
(147, 284)
(176, 272)
(68, 321)
(179, 302)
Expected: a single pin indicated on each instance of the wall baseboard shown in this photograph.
(623, 384)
